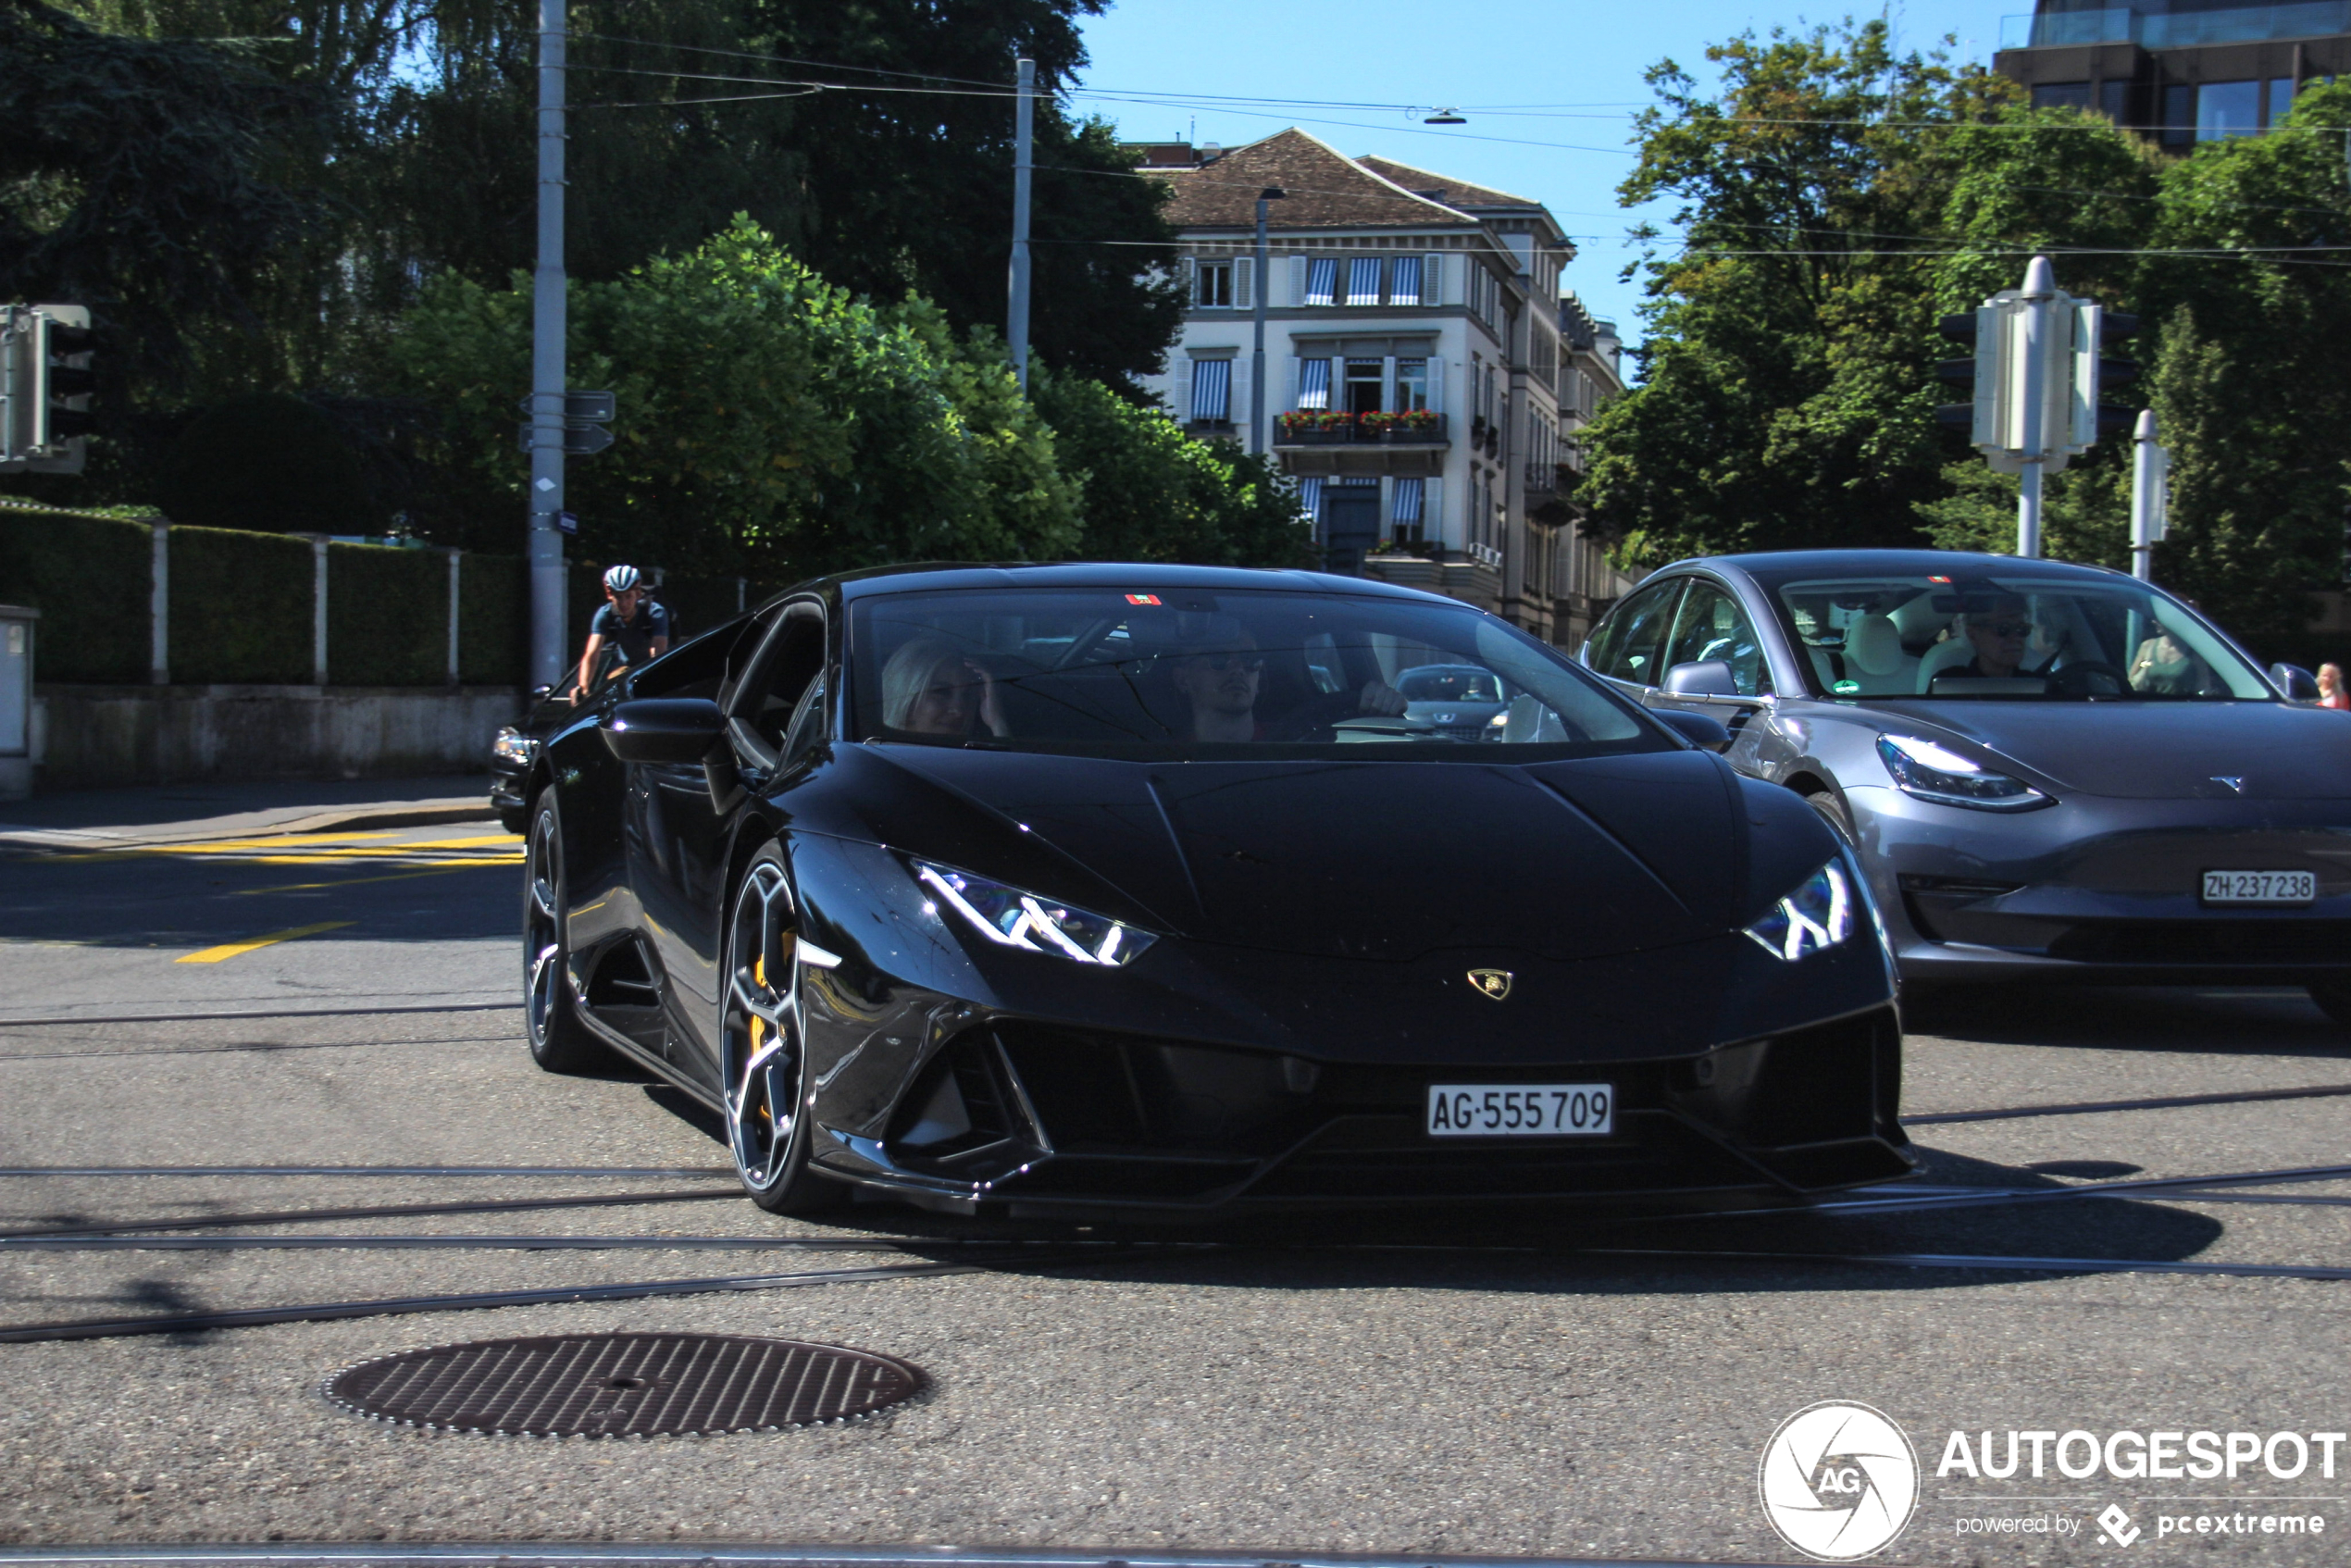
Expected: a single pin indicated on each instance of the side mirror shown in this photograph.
(2298, 684)
(1705, 677)
(541, 693)
(1707, 734)
(666, 729)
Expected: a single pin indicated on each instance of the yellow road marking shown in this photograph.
(360, 881)
(230, 949)
(350, 860)
(324, 843)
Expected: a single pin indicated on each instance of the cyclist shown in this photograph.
(630, 624)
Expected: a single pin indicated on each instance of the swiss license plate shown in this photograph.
(2260, 887)
(1521, 1110)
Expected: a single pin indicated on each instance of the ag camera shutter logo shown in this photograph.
(1839, 1480)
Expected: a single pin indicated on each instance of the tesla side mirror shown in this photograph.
(2298, 684)
(1707, 734)
(1704, 677)
(670, 729)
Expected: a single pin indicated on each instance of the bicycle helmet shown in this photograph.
(620, 579)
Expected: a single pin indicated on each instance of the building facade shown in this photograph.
(2183, 71)
(1424, 375)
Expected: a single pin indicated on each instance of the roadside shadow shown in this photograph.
(1551, 1248)
(2267, 1020)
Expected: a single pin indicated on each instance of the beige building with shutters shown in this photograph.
(1424, 376)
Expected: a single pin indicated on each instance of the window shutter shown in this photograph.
(1187, 274)
(1435, 385)
(1180, 387)
(1290, 384)
(1244, 283)
(1242, 399)
(1387, 382)
(1433, 280)
(1433, 508)
(1297, 280)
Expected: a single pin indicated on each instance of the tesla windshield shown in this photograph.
(1211, 674)
(2008, 635)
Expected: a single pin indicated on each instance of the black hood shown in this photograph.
(1386, 860)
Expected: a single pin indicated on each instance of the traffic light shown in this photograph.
(45, 382)
(2116, 326)
(1978, 372)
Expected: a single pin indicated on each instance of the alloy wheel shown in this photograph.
(542, 929)
(763, 1029)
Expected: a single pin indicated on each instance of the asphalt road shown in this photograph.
(1525, 1384)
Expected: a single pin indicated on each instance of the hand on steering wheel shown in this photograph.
(2076, 679)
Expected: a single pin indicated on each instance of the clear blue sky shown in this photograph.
(1580, 61)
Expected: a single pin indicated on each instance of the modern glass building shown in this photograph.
(2183, 70)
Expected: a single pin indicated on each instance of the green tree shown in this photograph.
(2252, 386)
(1151, 492)
(137, 177)
(771, 424)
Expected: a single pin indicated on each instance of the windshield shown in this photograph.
(1214, 674)
(2008, 634)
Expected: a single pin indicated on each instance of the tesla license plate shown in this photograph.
(1521, 1110)
(2260, 887)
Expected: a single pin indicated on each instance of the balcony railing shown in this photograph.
(2124, 24)
(1359, 429)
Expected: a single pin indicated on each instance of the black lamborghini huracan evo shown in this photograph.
(1081, 889)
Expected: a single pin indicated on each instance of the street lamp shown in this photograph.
(1257, 359)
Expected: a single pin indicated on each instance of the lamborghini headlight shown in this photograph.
(1013, 919)
(1815, 917)
(513, 746)
(1929, 772)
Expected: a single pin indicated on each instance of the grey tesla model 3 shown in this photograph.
(2049, 770)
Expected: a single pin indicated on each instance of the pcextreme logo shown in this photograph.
(1839, 1480)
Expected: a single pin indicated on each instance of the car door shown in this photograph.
(1624, 647)
(698, 807)
(675, 831)
(1712, 629)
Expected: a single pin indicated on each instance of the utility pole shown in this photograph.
(1023, 123)
(2150, 496)
(548, 327)
(2035, 324)
(1260, 284)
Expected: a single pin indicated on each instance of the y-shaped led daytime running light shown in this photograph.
(1814, 919)
(1013, 919)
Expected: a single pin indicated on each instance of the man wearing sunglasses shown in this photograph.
(2001, 637)
(1220, 678)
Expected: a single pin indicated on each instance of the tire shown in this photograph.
(559, 1041)
(2333, 998)
(762, 1044)
(1833, 812)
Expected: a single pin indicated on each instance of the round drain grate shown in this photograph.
(624, 1386)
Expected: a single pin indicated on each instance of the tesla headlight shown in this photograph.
(1817, 916)
(1014, 918)
(1929, 772)
(512, 745)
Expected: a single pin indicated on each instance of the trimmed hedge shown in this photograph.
(93, 579)
(241, 608)
(493, 620)
(387, 616)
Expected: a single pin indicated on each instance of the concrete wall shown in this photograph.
(93, 737)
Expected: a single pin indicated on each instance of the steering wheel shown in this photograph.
(2074, 679)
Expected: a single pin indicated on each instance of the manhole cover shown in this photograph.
(624, 1385)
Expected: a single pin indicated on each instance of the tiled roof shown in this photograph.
(1451, 191)
(1327, 189)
